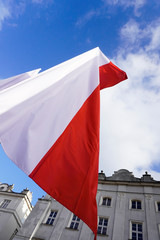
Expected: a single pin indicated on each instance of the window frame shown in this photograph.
(106, 201)
(105, 198)
(136, 231)
(102, 226)
(74, 222)
(5, 203)
(137, 201)
(51, 218)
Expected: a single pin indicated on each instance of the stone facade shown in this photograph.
(14, 209)
(128, 208)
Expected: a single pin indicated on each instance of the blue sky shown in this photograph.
(42, 33)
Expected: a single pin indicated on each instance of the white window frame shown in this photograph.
(136, 231)
(51, 218)
(136, 200)
(75, 222)
(5, 203)
(102, 226)
(105, 197)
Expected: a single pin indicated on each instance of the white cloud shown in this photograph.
(136, 4)
(10, 9)
(130, 111)
(101, 11)
(4, 12)
(87, 17)
(154, 33)
(135, 35)
(131, 32)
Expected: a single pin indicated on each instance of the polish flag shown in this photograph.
(49, 127)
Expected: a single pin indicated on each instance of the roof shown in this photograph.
(123, 175)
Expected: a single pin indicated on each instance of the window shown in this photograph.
(106, 201)
(5, 203)
(51, 217)
(14, 233)
(74, 222)
(136, 231)
(102, 226)
(136, 204)
(158, 206)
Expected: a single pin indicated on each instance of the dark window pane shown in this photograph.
(138, 205)
(50, 215)
(134, 227)
(109, 202)
(76, 226)
(105, 222)
(133, 204)
(104, 232)
(99, 230)
(100, 221)
(54, 214)
(139, 227)
(104, 201)
(134, 236)
(72, 224)
(51, 222)
(47, 221)
(140, 237)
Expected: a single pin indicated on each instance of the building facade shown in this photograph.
(128, 208)
(14, 209)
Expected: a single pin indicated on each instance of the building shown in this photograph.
(128, 208)
(14, 209)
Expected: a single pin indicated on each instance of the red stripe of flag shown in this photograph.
(69, 170)
(110, 75)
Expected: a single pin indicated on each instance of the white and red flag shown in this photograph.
(49, 127)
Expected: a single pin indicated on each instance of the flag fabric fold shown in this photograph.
(49, 127)
(6, 83)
